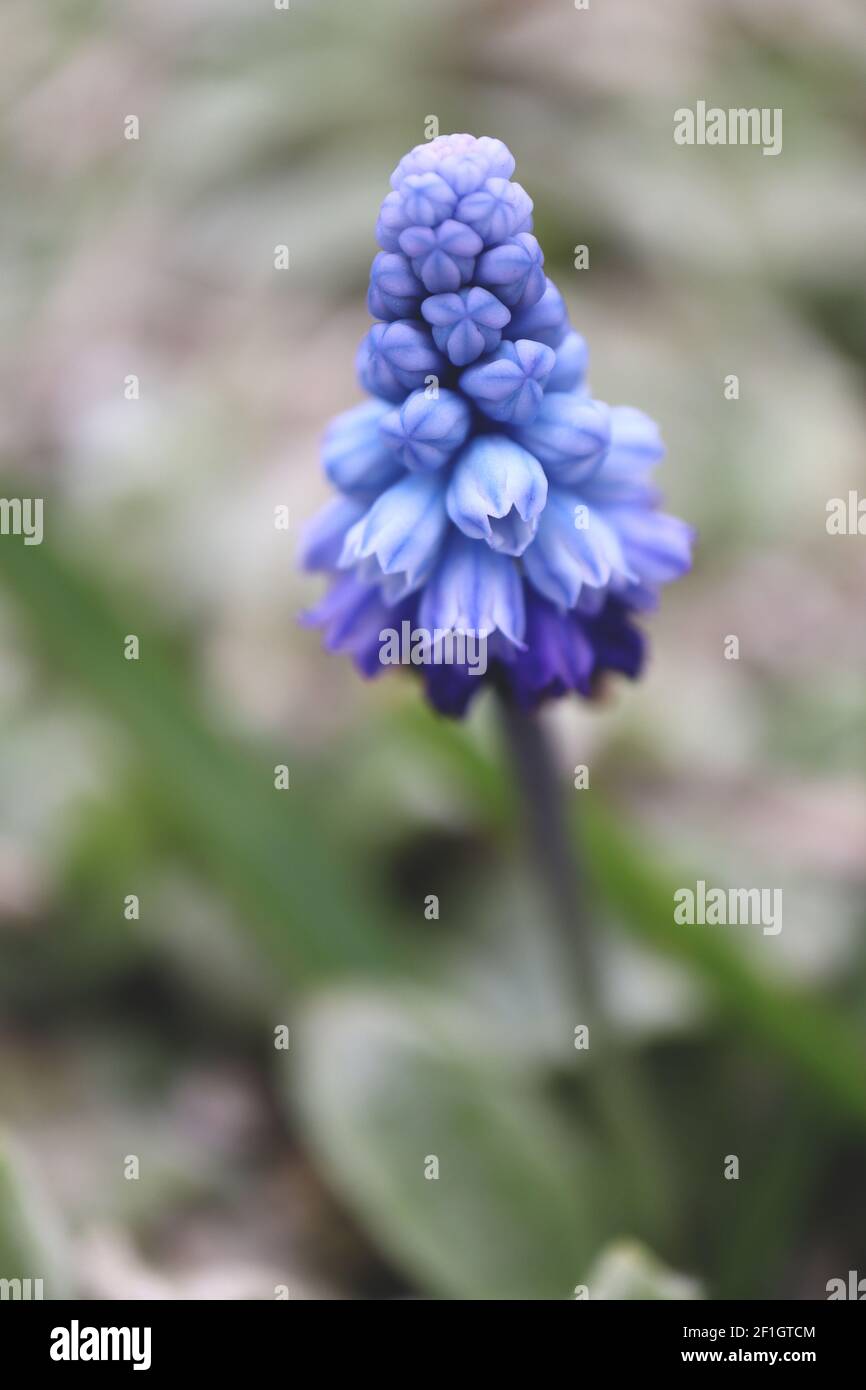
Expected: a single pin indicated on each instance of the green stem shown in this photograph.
(618, 1098)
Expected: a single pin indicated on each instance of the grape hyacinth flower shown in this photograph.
(483, 489)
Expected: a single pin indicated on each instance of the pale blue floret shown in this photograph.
(497, 493)
(395, 290)
(325, 535)
(442, 257)
(466, 324)
(572, 357)
(514, 271)
(546, 321)
(396, 358)
(473, 589)
(427, 199)
(403, 530)
(393, 219)
(569, 435)
(464, 160)
(355, 456)
(635, 449)
(426, 430)
(497, 211)
(509, 386)
(573, 546)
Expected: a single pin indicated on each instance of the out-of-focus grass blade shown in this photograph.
(310, 915)
(627, 1270)
(386, 1086)
(823, 1044)
(31, 1247)
(452, 746)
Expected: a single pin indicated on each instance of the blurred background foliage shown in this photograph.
(305, 1168)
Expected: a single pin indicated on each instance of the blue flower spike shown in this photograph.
(482, 489)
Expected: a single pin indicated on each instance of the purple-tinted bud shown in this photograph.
(395, 290)
(467, 324)
(500, 160)
(497, 211)
(572, 358)
(569, 435)
(510, 387)
(354, 454)
(457, 158)
(513, 271)
(392, 221)
(396, 358)
(464, 172)
(425, 431)
(431, 155)
(546, 321)
(427, 199)
(443, 257)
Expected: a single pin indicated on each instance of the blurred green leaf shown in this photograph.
(821, 1043)
(313, 914)
(384, 1085)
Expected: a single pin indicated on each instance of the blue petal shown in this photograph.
(325, 534)
(354, 455)
(473, 590)
(635, 448)
(573, 546)
(403, 529)
(352, 615)
(497, 493)
(657, 547)
(570, 435)
(572, 359)
(545, 322)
